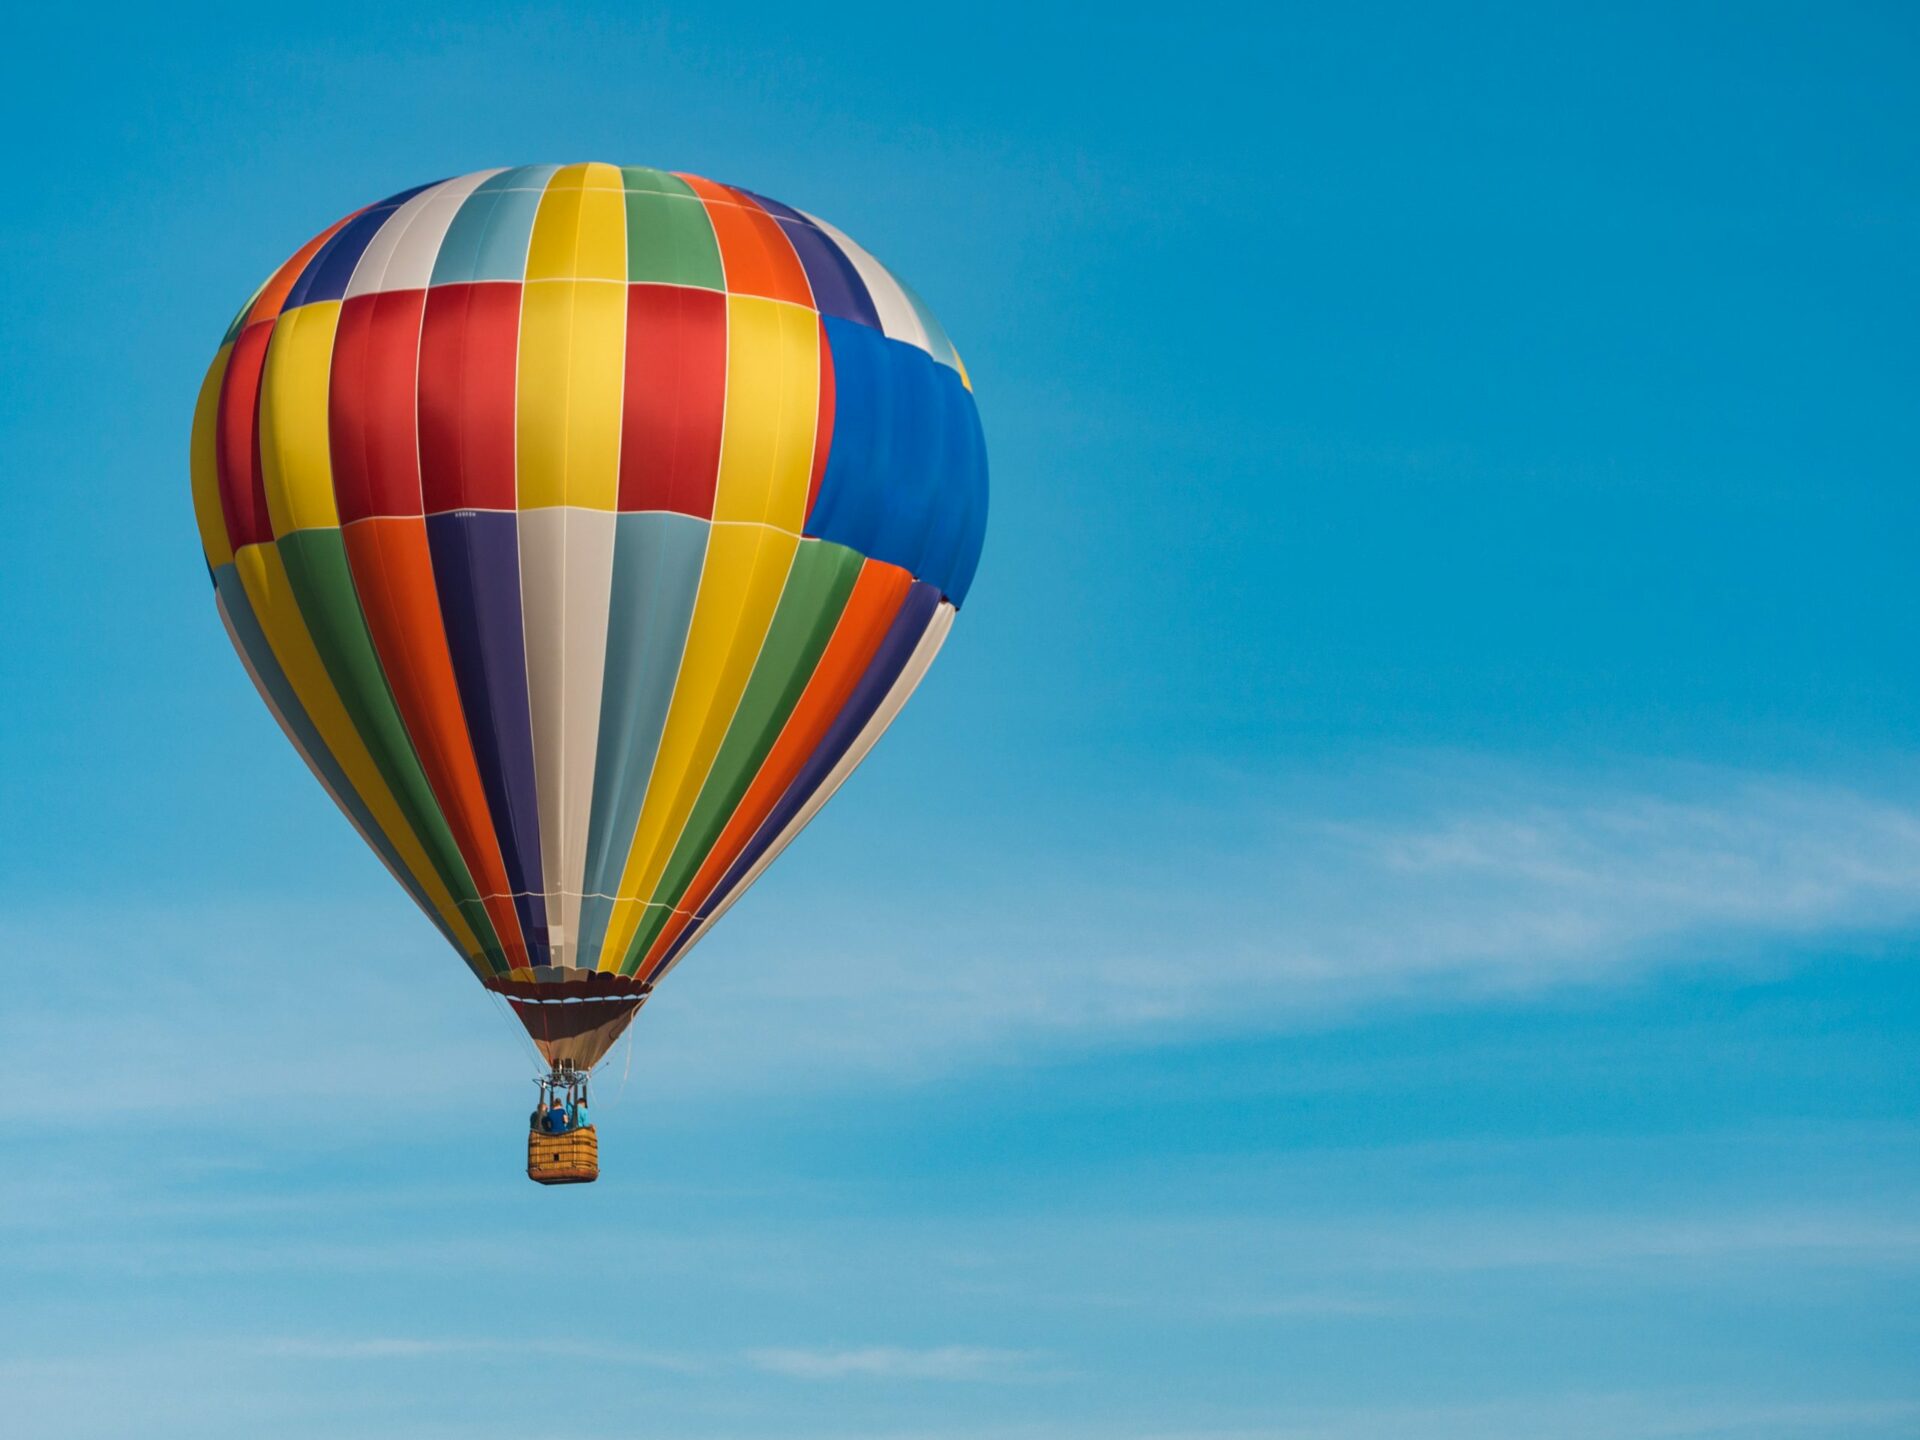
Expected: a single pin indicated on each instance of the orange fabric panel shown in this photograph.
(875, 600)
(267, 305)
(393, 575)
(754, 251)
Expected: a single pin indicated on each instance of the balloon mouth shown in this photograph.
(576, 1016)
(554, 983)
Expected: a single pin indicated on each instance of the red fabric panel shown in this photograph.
(676, 395)
(371, 420)
(823, 428)
(236, 439)
(393, 576)
(469, 354)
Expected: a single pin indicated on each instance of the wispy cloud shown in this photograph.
(873, 1362)
(1698, 1414)
(375, 1348)
(889, 1362)
(1270, 908)
(1255, 906)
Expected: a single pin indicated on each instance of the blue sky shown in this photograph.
(1395, 915)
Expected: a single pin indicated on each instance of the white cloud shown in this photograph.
(375, 1348)
(888, 1362)
(1253, 906)
(1273, 909)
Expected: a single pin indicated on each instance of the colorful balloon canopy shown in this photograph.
(583, 527)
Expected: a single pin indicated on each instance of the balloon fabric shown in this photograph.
(583, 527)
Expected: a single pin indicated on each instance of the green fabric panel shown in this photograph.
(816, 592)
(317, 569)
(657, 182)
(670, 240)
(239, 320)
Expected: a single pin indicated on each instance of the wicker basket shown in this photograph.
(569, 1159)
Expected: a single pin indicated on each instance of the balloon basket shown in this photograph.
(569, 1159)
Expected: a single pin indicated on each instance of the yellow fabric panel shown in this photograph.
(773, 403)
(295, 453)
(264, 577)
(745, 572)
(573, 338)
(206, 476)
(580, 230)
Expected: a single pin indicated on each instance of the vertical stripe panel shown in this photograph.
(392, 569)
(407, 864)
(754, 251)
(295, 460)
(746, 568)
(303, 597)
(773, 394)
(568, 417)
(376, 461)
(476, 573)
(273, 295)
(488, 237)
(675, 397)
(327, 275)
(766, 456)
(899, 317)
(205, 466)
(373, 426)
(314, 567)
(837, 287)
(243, 501)
(863, 626)
(807, 798)
(402, 255)
(566, 566)
(469, 356)
(656, 575)
(670, 240)
(816, 592)
(823, 426)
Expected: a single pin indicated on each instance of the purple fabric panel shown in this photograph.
(837, 287)
(915, 613)
(476, 569)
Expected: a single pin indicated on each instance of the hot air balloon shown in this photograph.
(583, 527)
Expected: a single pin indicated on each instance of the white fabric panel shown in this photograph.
(566, 570)
(401, 254)
(898, 316)
(896, 698)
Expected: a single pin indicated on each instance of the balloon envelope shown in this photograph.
(583, 527)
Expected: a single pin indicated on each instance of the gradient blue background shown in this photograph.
(1396, 914)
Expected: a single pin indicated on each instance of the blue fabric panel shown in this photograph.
(772, 207)
(489, 237)
(331, 267)
(838, 289)
(965, 559)
(904, 465)
(657, 559)
(476, 572)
